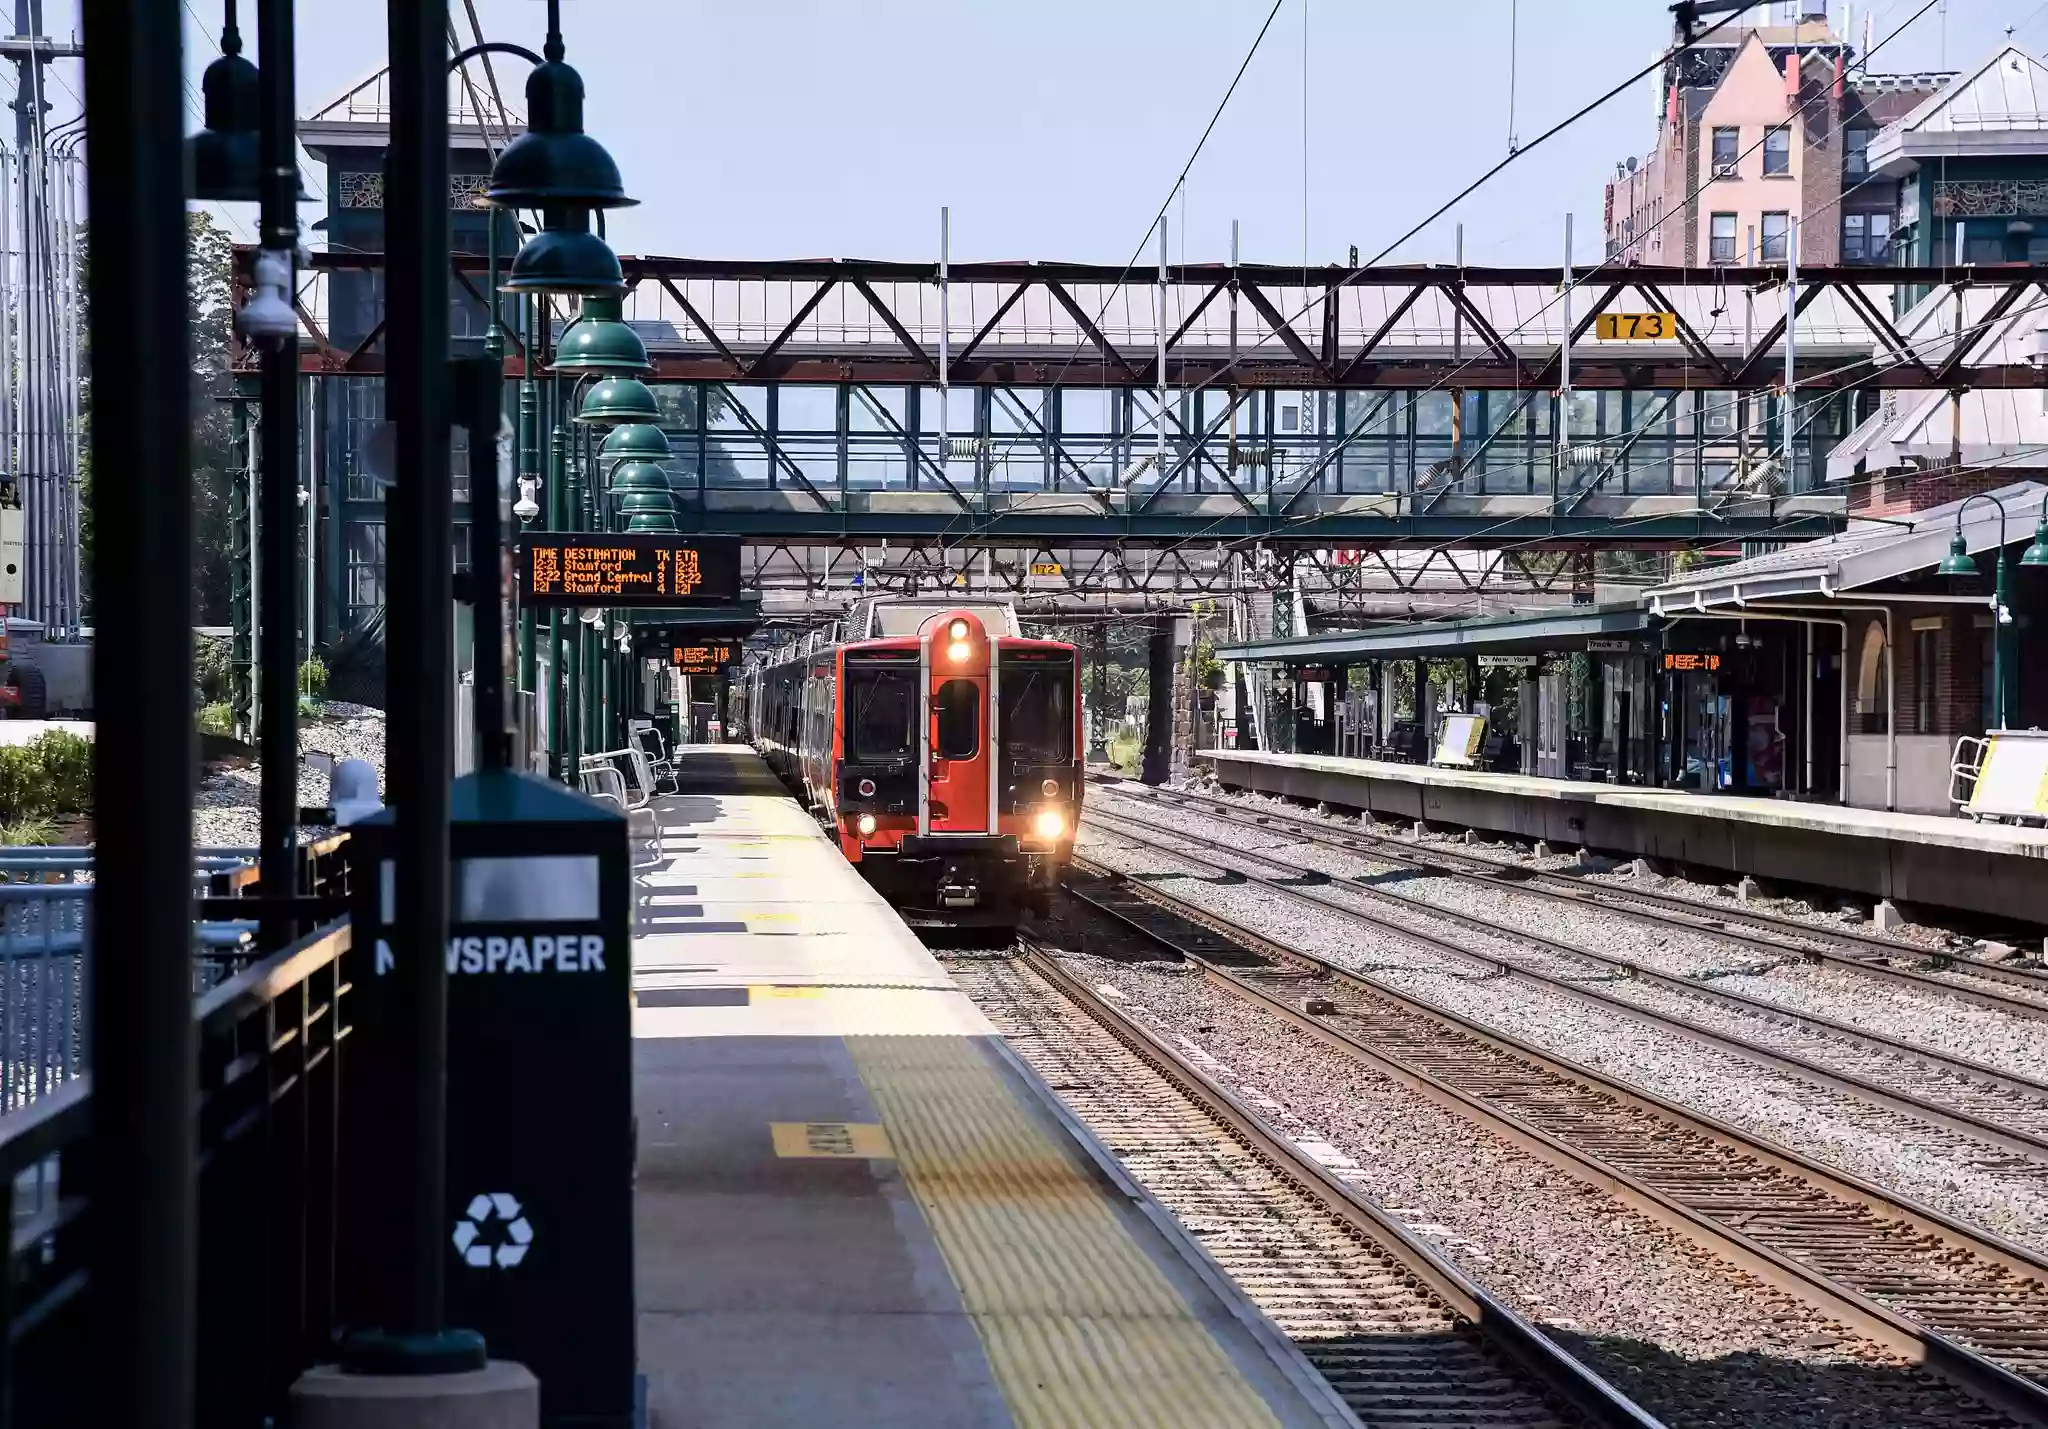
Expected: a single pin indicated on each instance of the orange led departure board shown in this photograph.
(1691, 664)
(703, 659)
(636, 570)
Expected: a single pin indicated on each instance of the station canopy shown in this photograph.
(1525, 633)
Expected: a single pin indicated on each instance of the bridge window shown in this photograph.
(958, 708)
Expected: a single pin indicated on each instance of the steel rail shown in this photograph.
(1884, 1240)
(1505, 1330)
(1961, 1066)
(1967, 1123)
(1849, 949)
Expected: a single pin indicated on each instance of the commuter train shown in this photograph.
(941, 747)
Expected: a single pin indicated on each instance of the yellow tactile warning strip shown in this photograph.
(855, 1140)
(1080, 1327)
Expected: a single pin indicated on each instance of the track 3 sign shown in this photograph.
(636, 570)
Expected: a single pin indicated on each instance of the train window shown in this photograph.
(881, 713)
(1038, 712)
(959, 708)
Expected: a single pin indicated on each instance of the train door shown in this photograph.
(957, 658)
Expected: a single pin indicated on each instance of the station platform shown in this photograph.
(854, 1205)
(1996, 870)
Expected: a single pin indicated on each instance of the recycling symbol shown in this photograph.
(474, 1241)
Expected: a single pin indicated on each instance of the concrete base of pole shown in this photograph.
(502, 1395)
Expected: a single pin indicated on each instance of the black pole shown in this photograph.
(141, 1162)
(420, 640)
(1158, 762)
(483, 405)
(277, 564)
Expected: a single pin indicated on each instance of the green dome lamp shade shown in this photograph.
(565, 257)
(224, 158)
(2037, 553)
(643, 440)
(1957, 562)
(554, 164)
(642, 491)
(619, 399)
(600, 340)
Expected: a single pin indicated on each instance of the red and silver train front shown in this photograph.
(998, 777)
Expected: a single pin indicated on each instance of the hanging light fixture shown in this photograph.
(1957, 562)
(564, 173)
(619, 399)
(224, 158)
(2037, 552)
(600, 340)
(637, 439)
(642, 492)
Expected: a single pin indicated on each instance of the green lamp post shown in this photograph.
(1958, 562)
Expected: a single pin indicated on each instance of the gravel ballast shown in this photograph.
(226, 812)
(1691, 1338)
(1956, 1174)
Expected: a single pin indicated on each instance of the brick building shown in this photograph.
(1764, 129)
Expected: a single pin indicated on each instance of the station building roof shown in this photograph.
(1867, 553)
(1526, 633)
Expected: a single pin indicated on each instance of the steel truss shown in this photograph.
(1415, 406)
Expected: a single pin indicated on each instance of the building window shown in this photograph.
(1726, 144)
(1776, 225)
(1856, 153)
(1866, 237)
(1778, 150)
(1926, 680)
(1721, 238)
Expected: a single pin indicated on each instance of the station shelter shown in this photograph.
(1851, 666)
(1564, 693)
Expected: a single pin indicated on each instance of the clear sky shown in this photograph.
(1054, 128)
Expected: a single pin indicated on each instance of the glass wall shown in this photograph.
(1017, 439)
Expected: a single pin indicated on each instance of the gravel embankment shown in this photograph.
(1990, 1187)
(1925, 1018)
(228, 795)
(1692, 1339)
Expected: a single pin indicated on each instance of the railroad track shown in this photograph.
(1953, 1299)
(1401, 1335)
(1759, 932)
(1986, 1104)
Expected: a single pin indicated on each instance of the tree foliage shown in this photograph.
(210, 255)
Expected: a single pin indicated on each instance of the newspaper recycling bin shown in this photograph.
(540, 1117)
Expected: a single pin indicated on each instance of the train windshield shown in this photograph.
(1038, 711)
(881, 713)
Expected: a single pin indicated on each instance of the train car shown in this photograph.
(944, 751)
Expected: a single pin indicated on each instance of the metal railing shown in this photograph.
(268, 1108)
(46, 951)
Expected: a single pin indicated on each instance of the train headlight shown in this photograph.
(866, 825)
(957, 631)
(1050, 788)
(959, 650)
(1050, 824)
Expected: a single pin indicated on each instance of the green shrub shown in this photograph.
(33, 830)
(313, 677)
(23, 794)
(65, 763)
(216, 718)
